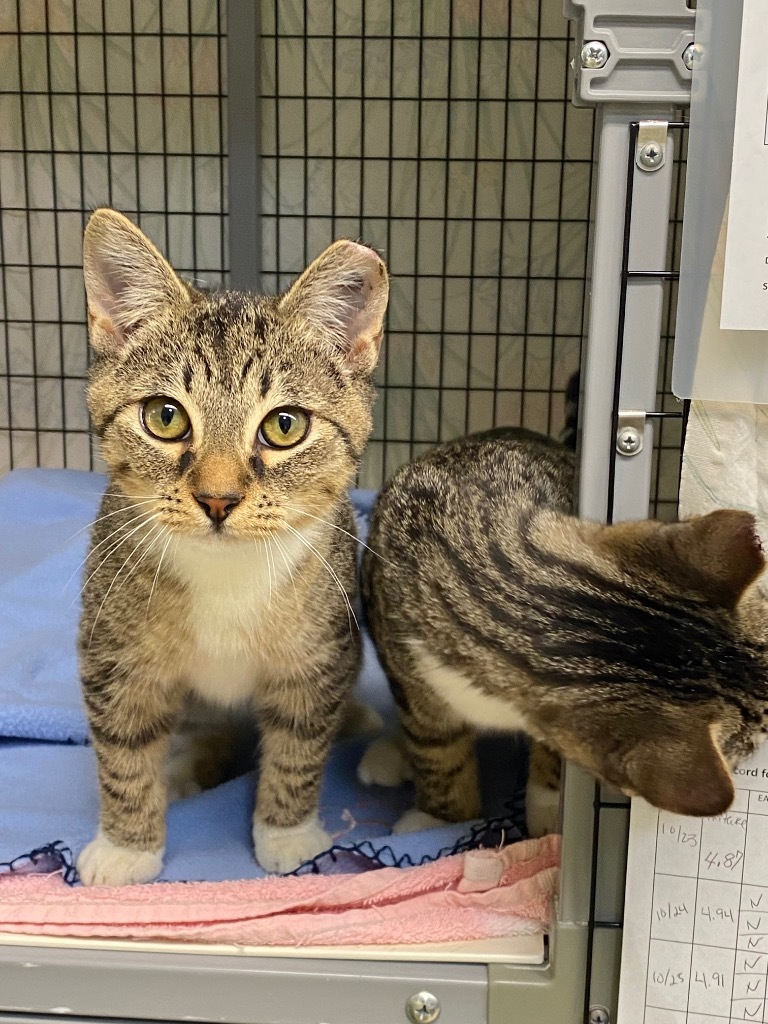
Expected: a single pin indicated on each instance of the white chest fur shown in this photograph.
(232, 596)
(469, 702)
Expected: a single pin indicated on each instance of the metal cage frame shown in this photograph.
(580, 983)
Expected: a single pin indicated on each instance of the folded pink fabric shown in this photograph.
(476, 895)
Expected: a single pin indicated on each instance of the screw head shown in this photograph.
(650, 156)
(689, 56)
(599, 1015)
(594, 55)
(628, 442)
(422, 1008)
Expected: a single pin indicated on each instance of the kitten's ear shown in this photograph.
(683, 772)
(127, 281)
(721, 552)
(343, 297)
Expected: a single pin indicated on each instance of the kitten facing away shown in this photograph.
(222, 565)
(637, 650)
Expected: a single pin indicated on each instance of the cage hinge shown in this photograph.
(630, 52)
(651, 145)
(630, 432)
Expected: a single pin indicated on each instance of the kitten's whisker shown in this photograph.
(155, 533)
(333, 526)
(96, 547)
(144, 515)
(332, 571)
(115, 493)
(138, 547)
(281, 550)
(101, 519)
(113, 549)
(270, 570)
(154, 581)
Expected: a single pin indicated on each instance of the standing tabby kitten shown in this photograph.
(636, 650)
(222, 565)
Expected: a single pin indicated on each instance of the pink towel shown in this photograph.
(475, 895)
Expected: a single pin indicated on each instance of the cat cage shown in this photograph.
(244, 138)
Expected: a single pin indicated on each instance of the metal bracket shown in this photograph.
(651, 145)
(630, 432)
(629, 51)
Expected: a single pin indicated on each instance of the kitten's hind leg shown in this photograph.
(441, 750)
(385, 762)
(209, 746)
(360, 719)
(542, 796)
(439, 746)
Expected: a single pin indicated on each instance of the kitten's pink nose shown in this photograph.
(218, 506)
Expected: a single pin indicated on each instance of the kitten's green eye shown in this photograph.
(165, 419)
(283, 428)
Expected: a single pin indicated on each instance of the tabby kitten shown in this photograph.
(635, 650)
(222, 566)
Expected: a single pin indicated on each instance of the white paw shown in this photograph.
(104, 863)
(360, 720)
(415, 821)
(281, 850)
(542, 809)
(384, 764)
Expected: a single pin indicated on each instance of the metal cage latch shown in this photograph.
(630, 432)
(651, 145)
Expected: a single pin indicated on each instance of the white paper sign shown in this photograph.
(745, 282)
(695, 945)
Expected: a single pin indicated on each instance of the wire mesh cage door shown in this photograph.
(442, 133)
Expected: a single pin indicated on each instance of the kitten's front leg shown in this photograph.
(294, 748)
(130, 724)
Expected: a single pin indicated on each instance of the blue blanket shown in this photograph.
(48, 790)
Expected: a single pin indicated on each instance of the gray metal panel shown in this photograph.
(645, 44)
(238, 990)
(54, 1019)
(552, 994)
(244, 141)
(606, 968)
(10, 1018)
(578, 816)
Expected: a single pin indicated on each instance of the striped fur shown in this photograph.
(251, 616)
(637, 650)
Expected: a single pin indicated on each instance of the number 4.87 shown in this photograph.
(730, 861)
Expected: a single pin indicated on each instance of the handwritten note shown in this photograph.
(745, 281)
(696, 915)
